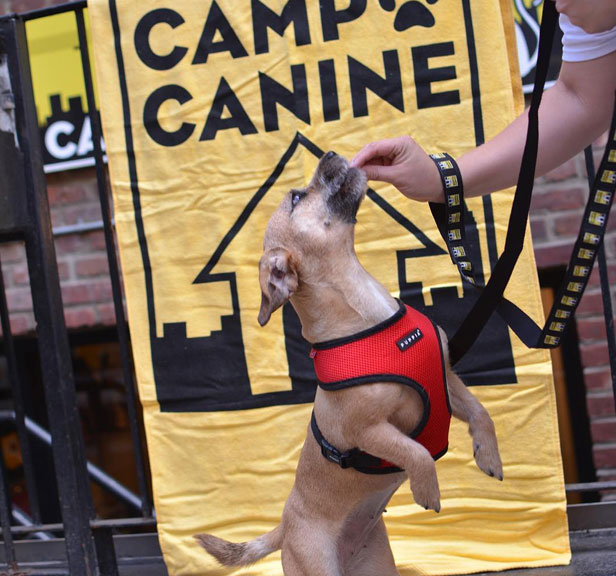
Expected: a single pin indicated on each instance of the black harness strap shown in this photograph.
(589, 239)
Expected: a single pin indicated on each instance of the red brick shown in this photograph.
(71, 243)
(605, 456)
(553, 254)
(594, 354)
(64, 270)
(79, 317)
(57, 217)
(591, 328)
(22, 323)
(19, 300)
(20, 275)
(558, 198)
(595, 279)
(75, 294)
(83, 243)
(600, 404)
(567, 226)
(86, 293)
(563, 172)
(12, 252)
(97, 240)
(101, 291)
(92, 266)
(21, 5)
(65, 194)
(604, 430)
(538, 229)
(84, 213)
(598, 378)
(610, 244)
(591, 304)
(106, 314)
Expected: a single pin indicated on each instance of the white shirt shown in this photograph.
(579, 45)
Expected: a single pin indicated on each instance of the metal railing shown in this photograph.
(89, 542)
(94, 472)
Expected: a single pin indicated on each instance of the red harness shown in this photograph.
(406, 349)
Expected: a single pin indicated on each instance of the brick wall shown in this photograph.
(82, 258)
(9, 6)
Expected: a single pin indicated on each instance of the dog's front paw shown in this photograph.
(485, 445)
(427, 496)
(424, 486)
(487, 457)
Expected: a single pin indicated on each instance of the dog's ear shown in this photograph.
(278, 279)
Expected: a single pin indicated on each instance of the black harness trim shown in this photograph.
(327, 344)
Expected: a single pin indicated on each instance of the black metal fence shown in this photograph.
(24, 216)
(90, 547)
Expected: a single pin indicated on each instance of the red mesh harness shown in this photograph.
(405, 349)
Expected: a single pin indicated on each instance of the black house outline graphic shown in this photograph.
(210, 373)
(174, 392)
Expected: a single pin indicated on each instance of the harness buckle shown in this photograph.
(330, 453)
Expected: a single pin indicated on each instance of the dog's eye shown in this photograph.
(296, 196)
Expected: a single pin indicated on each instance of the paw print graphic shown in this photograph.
(410, 14)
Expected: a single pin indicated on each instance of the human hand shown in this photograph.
(403, 163)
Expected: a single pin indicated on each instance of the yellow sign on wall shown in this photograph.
(59, 92)
(212, 111)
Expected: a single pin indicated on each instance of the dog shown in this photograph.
(332, 522)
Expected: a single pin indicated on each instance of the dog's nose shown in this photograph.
(329, 155)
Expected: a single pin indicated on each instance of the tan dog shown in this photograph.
(332, 522)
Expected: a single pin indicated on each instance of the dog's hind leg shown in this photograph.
(310, 550)
(467, 408)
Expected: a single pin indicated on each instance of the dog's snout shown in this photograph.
(329, 155)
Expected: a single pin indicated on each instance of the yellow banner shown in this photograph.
(212, 111)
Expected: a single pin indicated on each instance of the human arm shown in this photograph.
(573, 113)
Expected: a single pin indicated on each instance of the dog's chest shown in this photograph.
(361, 521)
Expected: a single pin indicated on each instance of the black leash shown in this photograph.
(450, 220)
(608, 314)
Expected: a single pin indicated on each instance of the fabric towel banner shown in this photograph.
(212, 111)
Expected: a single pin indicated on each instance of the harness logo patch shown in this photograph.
(411, 338)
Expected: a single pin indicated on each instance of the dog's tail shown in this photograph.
(242, 554)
